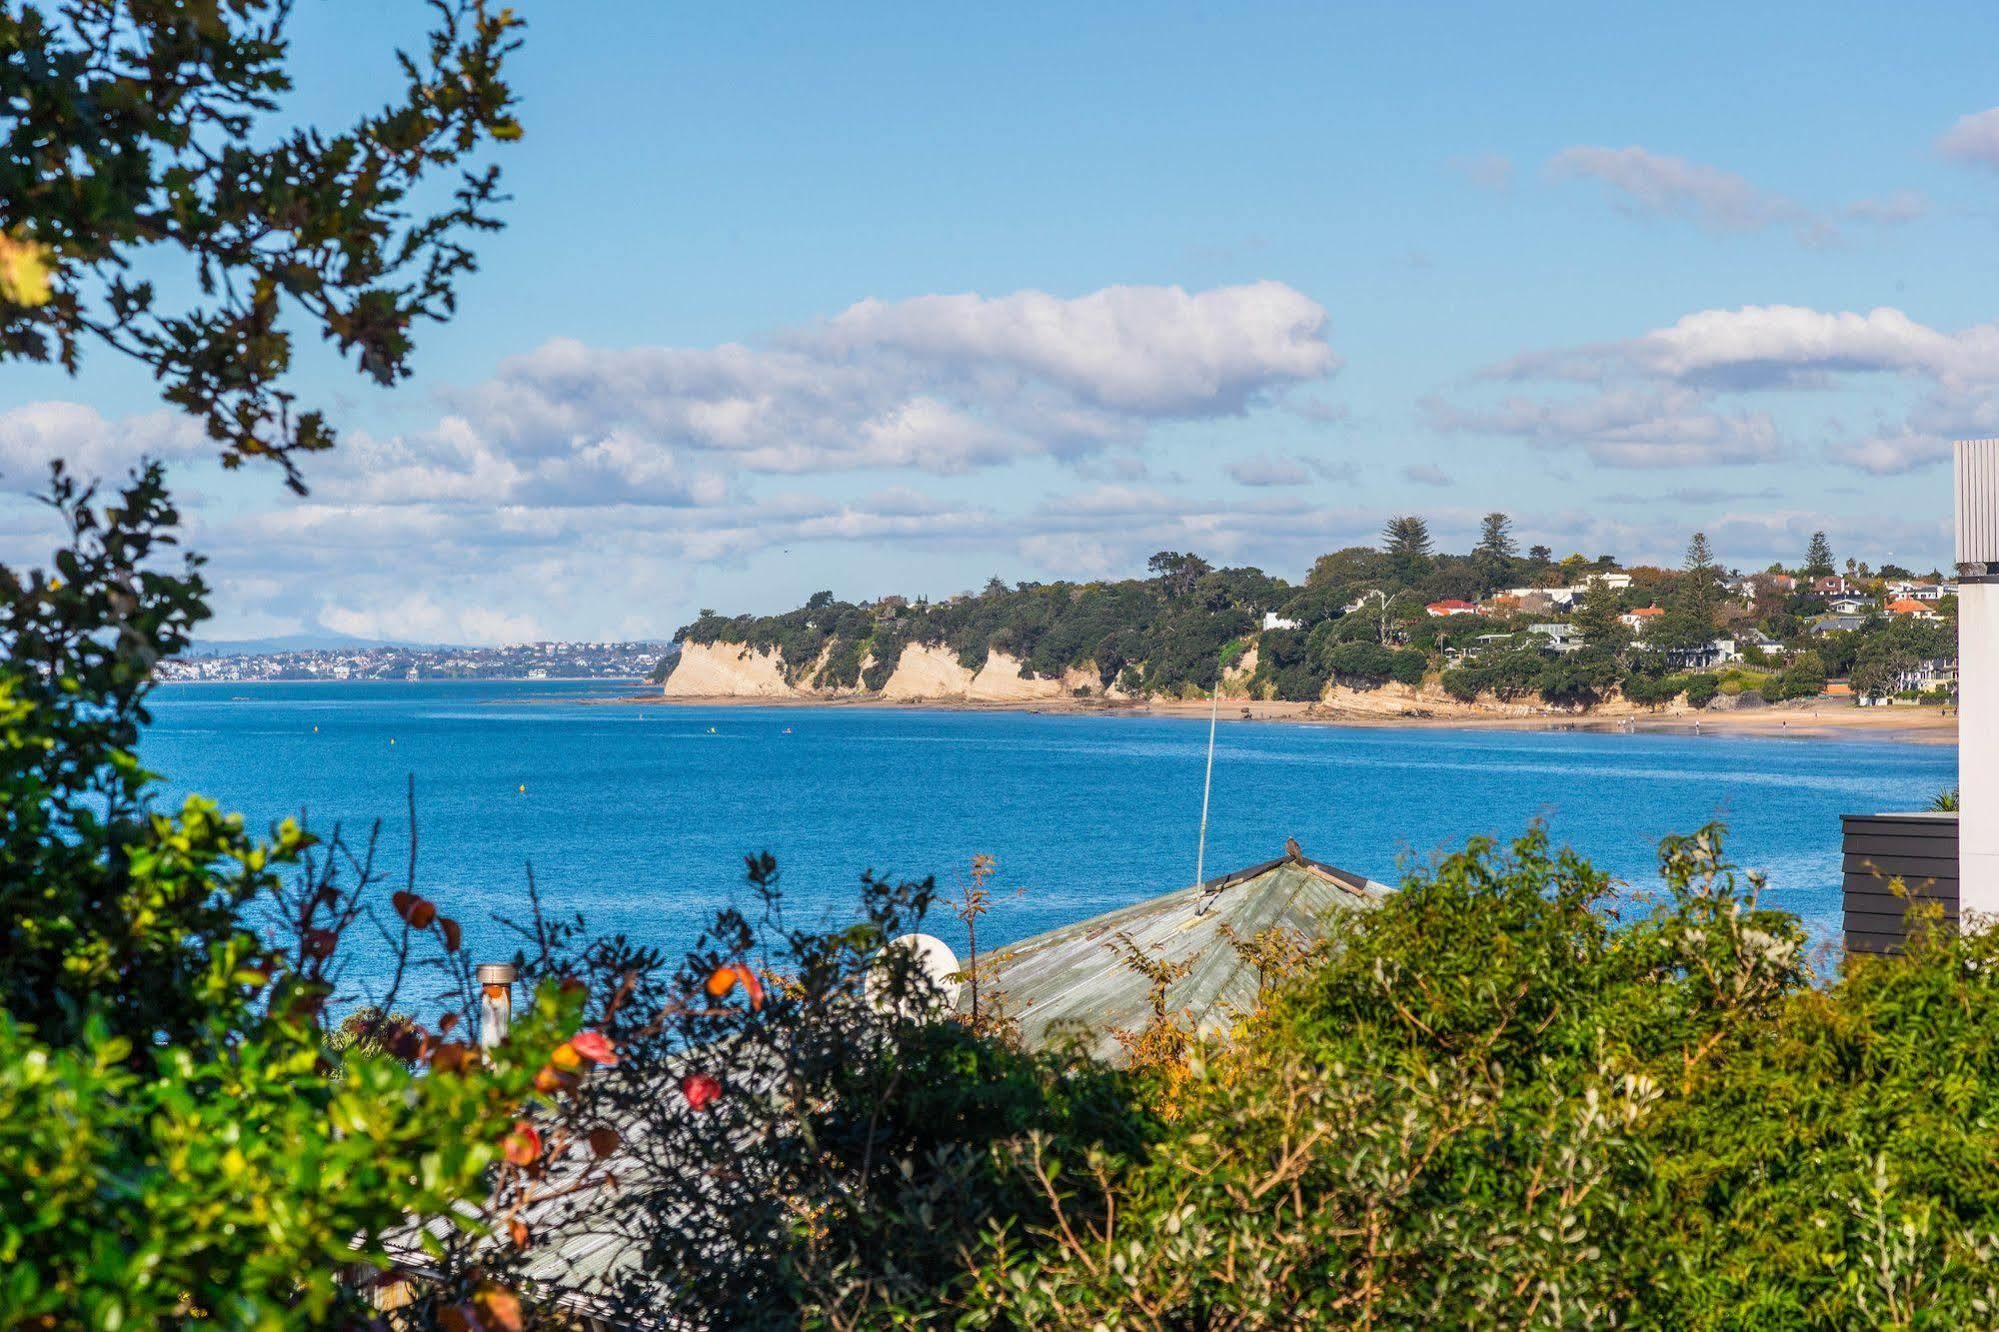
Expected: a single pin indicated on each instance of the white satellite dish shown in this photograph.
(933, 958)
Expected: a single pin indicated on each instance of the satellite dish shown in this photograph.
(932, 957)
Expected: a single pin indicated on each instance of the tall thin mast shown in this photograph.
(1207, 783)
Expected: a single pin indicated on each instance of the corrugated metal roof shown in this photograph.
(1072, 982)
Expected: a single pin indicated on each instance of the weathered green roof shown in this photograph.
(1072, 980)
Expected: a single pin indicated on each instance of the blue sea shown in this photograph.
(639, 816)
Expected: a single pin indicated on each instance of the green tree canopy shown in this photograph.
(146, 139)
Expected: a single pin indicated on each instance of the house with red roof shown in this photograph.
(1915, 610)
(1451, 606)
(1641, 619)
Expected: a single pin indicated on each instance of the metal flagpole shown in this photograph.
(1207, 784)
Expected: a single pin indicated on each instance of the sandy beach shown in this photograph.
(1824, 718)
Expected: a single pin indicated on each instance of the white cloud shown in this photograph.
(1664, 396)
(1623, 427)
(1643, 183)
(1890, 209)
(1269, 469)
(1973, 140)
(1902, 450)
(34, 434)
(419, 618)
(939, 384)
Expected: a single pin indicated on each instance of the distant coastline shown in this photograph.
(1908, 723)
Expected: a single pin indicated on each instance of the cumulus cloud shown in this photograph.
(1643, 183)
(1973, 140)
(34, 434)
(937, 384)
(1639, 427)
(1901, 450)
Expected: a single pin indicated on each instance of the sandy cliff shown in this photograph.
(726, 670)
(734, 670)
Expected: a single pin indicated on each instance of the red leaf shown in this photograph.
(604, 1140)
(523, 1145)
(320, 943)
(518, 1230)
(417, 912)
(449, 928)
(700, 1089)
(594, 1046)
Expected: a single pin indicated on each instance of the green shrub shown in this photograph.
(1701, 690)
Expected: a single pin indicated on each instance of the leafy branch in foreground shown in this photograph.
(140, 134)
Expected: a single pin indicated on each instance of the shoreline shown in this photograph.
(1910, 724)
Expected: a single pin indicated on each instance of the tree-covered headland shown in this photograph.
(1492, 623)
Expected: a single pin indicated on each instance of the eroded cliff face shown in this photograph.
(726, 670)
(923, 672)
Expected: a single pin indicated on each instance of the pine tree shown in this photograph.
(1700, 588)
(1596, 619)
(1818, 556)
(1406, 541)
(1406, 537)
(1495, 538)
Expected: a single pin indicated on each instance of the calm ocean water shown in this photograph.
(639, 816)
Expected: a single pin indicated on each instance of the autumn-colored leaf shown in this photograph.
(320, 943)
(522, 1147)
(417, 912)
(604, 1140)
(552, 1080)
(499, 1308)
(700, 1089)
(726, 978)
(594, 1046)
(25, 268)
(449, 929)
(452, 1057)
(566, 1057)
(446, 1023)
(517, 1229)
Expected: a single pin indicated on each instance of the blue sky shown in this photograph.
(892, 298)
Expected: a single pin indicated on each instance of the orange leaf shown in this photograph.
(518, 1230)
(523, 1145)
(720, 981)
(567, 1057)
(498, 1307)
(552, 1080)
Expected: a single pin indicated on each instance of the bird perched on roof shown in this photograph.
(1292, 849)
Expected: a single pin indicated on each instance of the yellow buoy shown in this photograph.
(524, 788)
